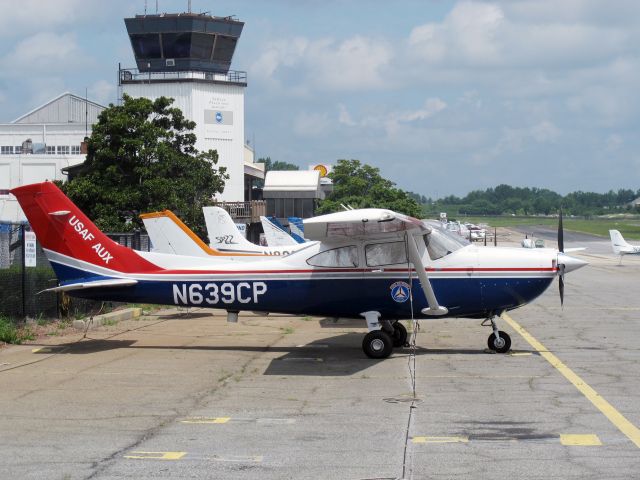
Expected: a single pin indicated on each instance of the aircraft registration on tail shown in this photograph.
(373, 264)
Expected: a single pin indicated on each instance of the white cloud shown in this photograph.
(27, 16)
(467, 35)
(102, 92)
(327, 64)
(614, 142)
(45, 52)
(311, 125)
(478, 34)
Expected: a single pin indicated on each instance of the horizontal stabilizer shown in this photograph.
(115, 282)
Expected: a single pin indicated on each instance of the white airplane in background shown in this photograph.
(168, 234)
(225, 237)
(620, 245)
(275, 234)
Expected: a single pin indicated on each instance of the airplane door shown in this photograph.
(386, 278)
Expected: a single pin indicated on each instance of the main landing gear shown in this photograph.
(383, 336)
(498, 341)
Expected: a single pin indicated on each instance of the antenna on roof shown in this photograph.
(145, 7)
(156, 7)
(189, 6)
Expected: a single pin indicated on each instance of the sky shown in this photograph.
(444, 97)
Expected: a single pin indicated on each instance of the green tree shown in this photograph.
(277, 165)
(361, 186)
(141, 158)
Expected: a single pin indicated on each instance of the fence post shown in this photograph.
(23, 274)
(495, 236)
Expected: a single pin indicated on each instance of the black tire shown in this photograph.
(501, 347)
(377, 344)
(399, 336)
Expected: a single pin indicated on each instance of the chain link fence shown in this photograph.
(24, 276)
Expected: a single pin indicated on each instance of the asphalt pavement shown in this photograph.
(183, 394)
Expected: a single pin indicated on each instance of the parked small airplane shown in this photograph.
(224, 236)
(371, 263)
(620, 245)
(296, 226)
(275, 233)
(168, 234)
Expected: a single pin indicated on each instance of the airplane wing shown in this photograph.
(114, 282)
(360, 223)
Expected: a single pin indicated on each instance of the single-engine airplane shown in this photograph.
(371, 263)
(275, 234)
(620, 245)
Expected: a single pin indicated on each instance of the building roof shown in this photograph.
(292, 183)
(65, 108)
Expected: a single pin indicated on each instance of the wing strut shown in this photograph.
(414, 256)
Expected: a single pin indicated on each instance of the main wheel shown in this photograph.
(399, 336)
(501, 345)
(377, 344)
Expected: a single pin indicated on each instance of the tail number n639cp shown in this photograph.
(214, 293)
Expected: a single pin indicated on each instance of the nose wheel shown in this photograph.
(498, 341)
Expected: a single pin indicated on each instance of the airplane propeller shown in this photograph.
(561, 265)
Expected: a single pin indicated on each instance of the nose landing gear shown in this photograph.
(498, 341)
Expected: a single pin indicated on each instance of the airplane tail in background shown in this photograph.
(275, 233)
(296, 225)
(618, 243)
(169, 234)
(75, 247)
(223, 233)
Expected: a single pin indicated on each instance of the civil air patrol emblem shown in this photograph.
(219, 117)
(400, 292)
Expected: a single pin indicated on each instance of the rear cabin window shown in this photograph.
(389, 253)
(343, 257)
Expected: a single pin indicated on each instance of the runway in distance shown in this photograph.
(374, 264)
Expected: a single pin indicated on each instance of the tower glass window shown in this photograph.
(176, 45)
(225, 47)
(146, 45)
(201, 46)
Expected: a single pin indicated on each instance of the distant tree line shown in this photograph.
(508, 200)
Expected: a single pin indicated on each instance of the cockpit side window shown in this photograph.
(343, 257)
(389, 253)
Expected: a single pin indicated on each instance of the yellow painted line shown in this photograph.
(585, 440)
(625, 426)
(440, 440)
(157, 455)
(207, 420)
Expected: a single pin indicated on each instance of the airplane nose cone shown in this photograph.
(570, 263)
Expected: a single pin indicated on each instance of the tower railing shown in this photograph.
(133, 75)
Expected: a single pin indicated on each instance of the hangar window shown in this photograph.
(343, 257)
(6, 150)
(389, 253)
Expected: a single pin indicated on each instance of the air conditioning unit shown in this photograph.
(170, 62)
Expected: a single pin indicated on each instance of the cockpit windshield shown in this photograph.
(441, 242)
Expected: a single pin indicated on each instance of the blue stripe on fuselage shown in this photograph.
(464, 297)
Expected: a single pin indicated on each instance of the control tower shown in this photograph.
(188, 56)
